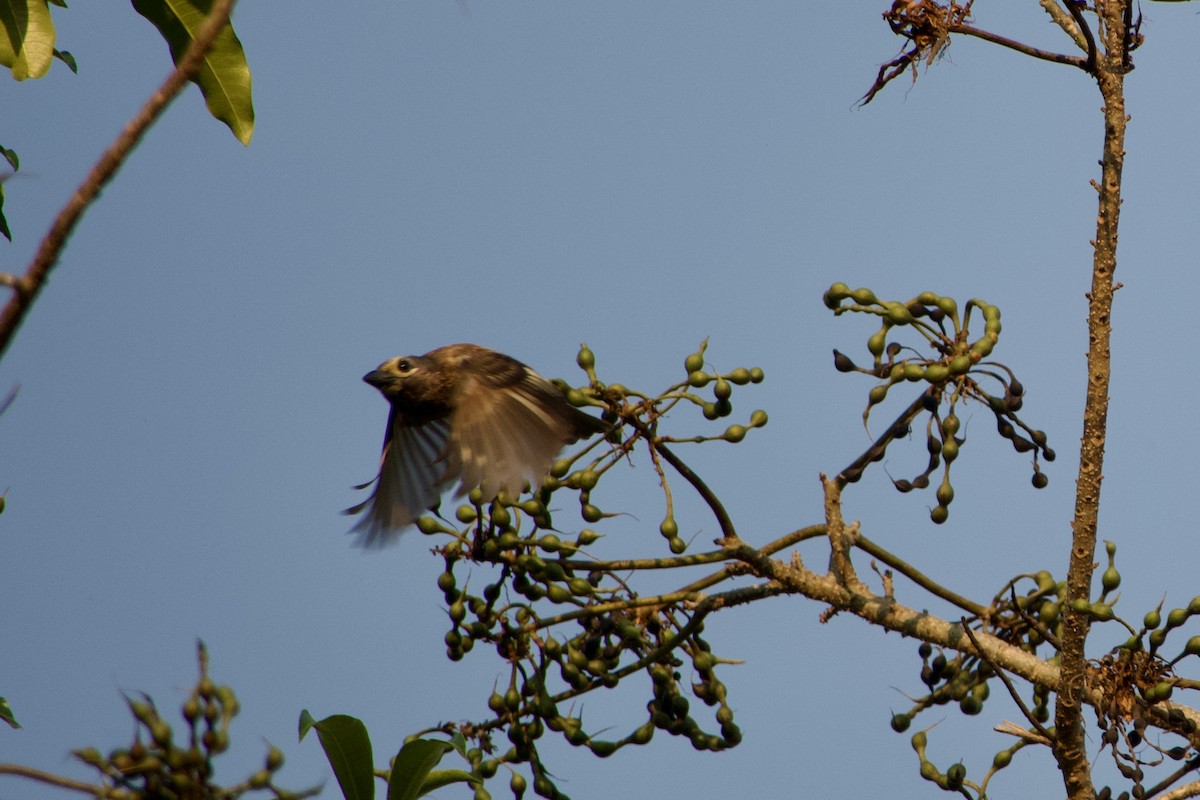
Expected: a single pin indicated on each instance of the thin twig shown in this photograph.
(918, 577)
(1021, 47)
(728, 531)
(1077, 15)
(1012, 690)
(1029, 620)
(27, 287)
(51, 779)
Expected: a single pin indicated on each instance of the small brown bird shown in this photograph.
(462, 412)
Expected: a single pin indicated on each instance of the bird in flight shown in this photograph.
(467, 413)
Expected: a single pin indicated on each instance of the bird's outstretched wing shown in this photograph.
(506, 430)
(412, 474)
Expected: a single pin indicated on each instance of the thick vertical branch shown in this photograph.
(1110, 76)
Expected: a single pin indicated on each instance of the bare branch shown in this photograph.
(1021, 47)
(51, 779)
(31, 283)
(1064, 20)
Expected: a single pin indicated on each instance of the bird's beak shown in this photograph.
(379, 379)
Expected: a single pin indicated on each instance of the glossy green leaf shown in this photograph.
(26, 37)
(348, 748)
(224, 77)
(6, 713)
(412, 766)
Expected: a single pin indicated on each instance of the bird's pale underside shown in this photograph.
(466, 413)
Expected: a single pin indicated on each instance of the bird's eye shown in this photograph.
(404, 366)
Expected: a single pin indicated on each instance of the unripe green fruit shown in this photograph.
(1177, 617)
(1159, 691)
(698, 379)
(834, 295)
(936, 373)
(735, 433)
(1110, 580)
(960, 365)
(586, 359)
(864, 297)
(758, 419)
(591, 513)
(723, 389)
(939, 514)
(694, 362)
(1152, 620)
(877, 342)
(898, 314)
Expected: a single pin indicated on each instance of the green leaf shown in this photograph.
(11, 157)
(26, 37)
(4, 231)
(224, 77)
(68, 59)
(348, 748)
(6, 714)
(413, 764)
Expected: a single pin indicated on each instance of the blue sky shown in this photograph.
(530, 176)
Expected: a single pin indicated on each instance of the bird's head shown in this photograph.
(418, 386)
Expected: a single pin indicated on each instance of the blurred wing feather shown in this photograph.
(501, 437)
(412, 473)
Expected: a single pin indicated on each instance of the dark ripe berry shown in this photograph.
(921, 482)
(925, 650)
(1039, 480)
(1013, 403)
(1022, 445)
(893, 350)
(842, 362)
(1005, 428)
(1048, 454)
(903, 486)
(929, 402)
(852, 475)
(1015, 388)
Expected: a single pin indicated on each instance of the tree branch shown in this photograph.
(1020, 47)
(27, 287)
(1071, 748)
(51, 779)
